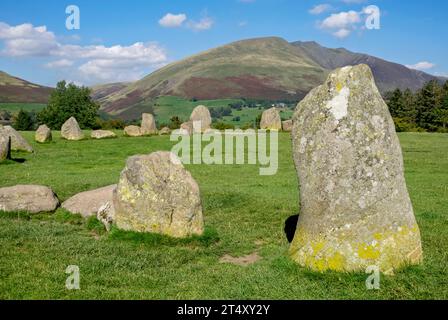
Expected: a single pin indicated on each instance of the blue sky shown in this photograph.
(125, 40)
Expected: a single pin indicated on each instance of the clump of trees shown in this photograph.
(69, 100)
(24, 121)
(424, 110)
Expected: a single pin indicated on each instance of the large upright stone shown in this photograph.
(71, 131)
(148, 126)
(271, 120)
(43, 134)
(157, 194)
(18, 143)
(201, 115)
(355, 207)
(5, 147)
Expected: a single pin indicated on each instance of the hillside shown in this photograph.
(264, 68)
(267, 68)
(14, 90)
(388, 75)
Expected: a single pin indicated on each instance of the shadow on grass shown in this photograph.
(209, 237)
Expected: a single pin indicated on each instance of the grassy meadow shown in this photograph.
(244, 214)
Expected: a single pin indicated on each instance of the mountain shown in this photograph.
(268, 68)
(388, 75)
(14, 89)
(264, 68)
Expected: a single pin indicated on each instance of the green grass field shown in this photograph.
(244, 213)
(16, 107)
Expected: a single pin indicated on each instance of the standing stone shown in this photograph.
(132, 131)
(43, 134)
(71, 131)
(5, 147)
(148, 124)
(157, 194)
(287, 125)
(355, 207)
(18, 143)
(28, 198)
(270, 120)
(202, 115)
(102, 134)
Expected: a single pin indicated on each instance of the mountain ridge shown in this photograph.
(17, 90)
(268, 68)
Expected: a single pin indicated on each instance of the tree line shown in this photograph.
(423, 110)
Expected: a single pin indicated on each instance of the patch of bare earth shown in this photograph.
(241, 261)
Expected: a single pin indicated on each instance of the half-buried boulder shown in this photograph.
(18, 143)
(164, 131)
(157, 194)
(5, 147)
(43, 134)
(201, 116)
(270, 120)
(28, 198)
(132, 131)
(71, 131)
(148, 126)
(102, 134)
(89, 202)
(355, 207)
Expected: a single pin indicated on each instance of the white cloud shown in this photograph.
(27, 40)
(341, 24)
(92, 62)
(201, 25)
(320, 8)
(423, 65)
(63, 63)
(173, 20)
(341, 20)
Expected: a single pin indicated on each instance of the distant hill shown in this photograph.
(264, 68)
(388, 75)
(14, 89)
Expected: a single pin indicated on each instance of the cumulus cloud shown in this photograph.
(423, 65)
(27, 40)
(91, 63)
(320, 8)
(173, 20)
(341, 24)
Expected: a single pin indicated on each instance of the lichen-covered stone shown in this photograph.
(148, 126)
(5, 147)
(157, 194)
(132, 131)
(88, 203)
(201, 115)
(28, 198)
(102, 134)
(270, 120)
(18, 143)
(355, 207)
(43, 134)
(287, 125)
(71, 131)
